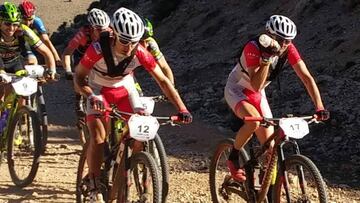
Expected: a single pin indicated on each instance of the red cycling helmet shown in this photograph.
(27, 9)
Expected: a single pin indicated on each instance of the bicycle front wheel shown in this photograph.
(143, 184)
(302, 180)
(24, 146)
(38, 104)
(223, 188)
(157, 150)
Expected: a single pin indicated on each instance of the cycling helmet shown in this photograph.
(128, 25)
(281, 26)
(9, 12)
(148, 29)
(99, 18)
(27, 9)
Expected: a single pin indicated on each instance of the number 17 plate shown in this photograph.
(294, 127)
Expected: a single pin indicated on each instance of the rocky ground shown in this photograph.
(203, 53)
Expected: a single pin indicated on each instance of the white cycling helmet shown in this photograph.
(127, 25)
(98, 18)
(281, 26)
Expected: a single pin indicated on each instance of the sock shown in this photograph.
(234, 157)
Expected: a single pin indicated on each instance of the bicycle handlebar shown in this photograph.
(274, 121)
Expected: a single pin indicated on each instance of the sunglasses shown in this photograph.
(281, 40)
(11, 24)
(28, 19)
(127, 43)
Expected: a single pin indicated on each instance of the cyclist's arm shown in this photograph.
(49, 58)
(80, 83)
(303, 73)
(166, 69)
(45, 38)
(168, 88)
(66, 58)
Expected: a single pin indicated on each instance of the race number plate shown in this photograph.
(148, 104)
(294, 127)
(143, 128)
(34, 70)
(25, 86)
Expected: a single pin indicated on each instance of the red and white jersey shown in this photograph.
(250, 58)
(94, 61)
(238, 87)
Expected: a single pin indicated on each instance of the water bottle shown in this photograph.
(3, 119)
(266, 41)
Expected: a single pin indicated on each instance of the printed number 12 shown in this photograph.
(144, 129)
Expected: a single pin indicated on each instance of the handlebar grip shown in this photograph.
(251, 118)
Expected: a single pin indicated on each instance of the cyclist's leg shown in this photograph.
(96, 123)
(243, 102)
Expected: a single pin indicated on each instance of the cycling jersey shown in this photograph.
(152, 46)
(82, 39)
(117, 90)
(94, 61)
(12, 50)
(238, 88)
(38, 26)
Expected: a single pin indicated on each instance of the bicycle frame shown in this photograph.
(277, 153)
(10, 103)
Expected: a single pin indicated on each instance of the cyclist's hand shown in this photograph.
(268, 47)
(69, 75)
(58, 63)
(5, 79)
(185, 116)
(97, 102)
(322, 115)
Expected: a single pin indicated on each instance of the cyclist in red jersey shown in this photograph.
(115, 84)
(262, 58)
(99, 22)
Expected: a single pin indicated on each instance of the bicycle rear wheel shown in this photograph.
(143, 184)
(24, 146)
(303, 181)
(223, 188)
(157, 150)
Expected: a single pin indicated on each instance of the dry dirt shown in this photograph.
(189, 147)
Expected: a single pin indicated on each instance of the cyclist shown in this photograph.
(261, 59)
(27, 10)
(115, 84)
(15, 41)
(99, 22)
(151, 45)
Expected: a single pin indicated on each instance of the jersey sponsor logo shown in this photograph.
(97, 47)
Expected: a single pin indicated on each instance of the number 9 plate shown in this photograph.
(294, 127)
(143, 128)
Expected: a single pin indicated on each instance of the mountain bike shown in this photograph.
(20, 127)
(297, 178)
(126, 176)
(154, 146)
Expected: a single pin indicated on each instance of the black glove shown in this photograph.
(185, 116)
(97, 102)
(322, 115)
(69, 75)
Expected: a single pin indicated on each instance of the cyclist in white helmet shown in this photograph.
(261, 60)
(99, 22)
(110, 81)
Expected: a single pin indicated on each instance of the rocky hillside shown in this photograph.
(201, 39)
